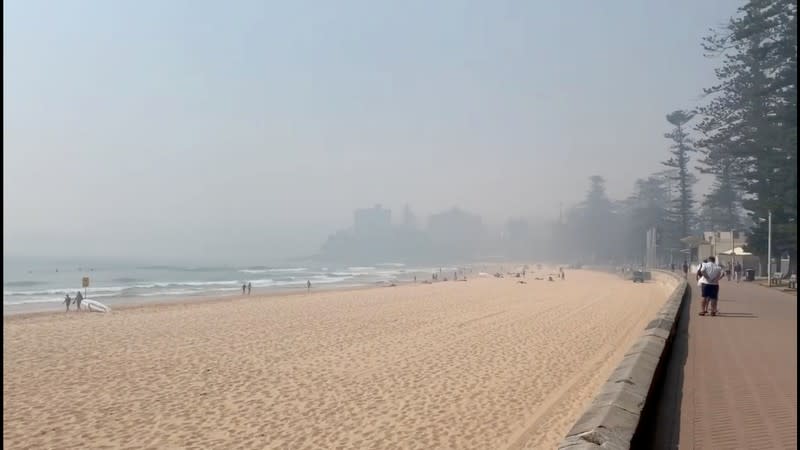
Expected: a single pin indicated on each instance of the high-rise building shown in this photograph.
(372, 220)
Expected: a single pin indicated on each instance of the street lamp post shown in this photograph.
(769, 244)
(769, 247)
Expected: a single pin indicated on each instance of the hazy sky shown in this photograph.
(249, 130)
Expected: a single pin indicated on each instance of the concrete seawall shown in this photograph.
(615, 414)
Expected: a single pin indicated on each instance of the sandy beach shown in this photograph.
(483, 364)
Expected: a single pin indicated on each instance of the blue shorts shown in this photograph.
(710, 291)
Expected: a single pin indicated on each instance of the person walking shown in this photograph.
(709, 275)
(79, 300)
(244, 286)
(685, 268)
(729, 271)
(737, 271)
(67, 301)
(308, 285)
(249, 288)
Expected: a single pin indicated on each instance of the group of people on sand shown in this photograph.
(247, 288)
(77, 301)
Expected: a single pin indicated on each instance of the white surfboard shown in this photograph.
(95, 306)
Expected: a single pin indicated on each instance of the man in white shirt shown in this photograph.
(710, 273)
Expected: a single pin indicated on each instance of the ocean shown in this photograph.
(28, 286)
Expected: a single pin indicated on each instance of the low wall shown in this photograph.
(612, 419)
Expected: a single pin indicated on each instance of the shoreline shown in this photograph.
(126, 303)
(131, 303)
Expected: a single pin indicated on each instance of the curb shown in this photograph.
(612, 419)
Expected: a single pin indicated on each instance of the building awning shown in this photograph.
(738, 251)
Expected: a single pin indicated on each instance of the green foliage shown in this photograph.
(749, 121)
(682, 206)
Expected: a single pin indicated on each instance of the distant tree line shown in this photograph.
(744, 134)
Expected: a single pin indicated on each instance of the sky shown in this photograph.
(248, 131)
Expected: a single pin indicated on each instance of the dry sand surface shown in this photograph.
(488, 363)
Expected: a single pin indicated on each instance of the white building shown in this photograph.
(723, 241)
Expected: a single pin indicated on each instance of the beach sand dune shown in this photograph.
(490, 363)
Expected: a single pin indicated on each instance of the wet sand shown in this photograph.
(487, 363)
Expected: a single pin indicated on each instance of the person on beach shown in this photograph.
(79, 300)
(685, 268)
(709, 275)
(737, 271)
(249, 288)
(729, 271)
(308, 285)
(244, 286)
(67, 301)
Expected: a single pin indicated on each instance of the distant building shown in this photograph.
(373, 239)
(724, 241)
(372, 220)
(453, 235)
(409, 219)
(456, 233)
(725, 246)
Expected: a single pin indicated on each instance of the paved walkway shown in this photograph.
(732, 379)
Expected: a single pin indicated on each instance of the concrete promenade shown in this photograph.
(731, 381)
